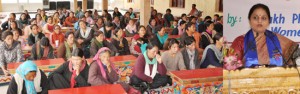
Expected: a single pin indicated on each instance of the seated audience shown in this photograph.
(160, 38)
(130, 29)
(180, 29)
(149, 69)
(23, 20)
(57, 37)
(28, 79)
(66, 48)
(98, 42)
(98, 25)
(14, 27)
(12, 17)
(35, 35)
(190, 54)
(120, 42)
(136, 41)
(83, 37)
(172, 58)
(49, 26)
(168, 18)
(71, 74)
(102, 71)
(42, 50)
(10, 52)
(206, 37)
(212, 55)
(71, 20)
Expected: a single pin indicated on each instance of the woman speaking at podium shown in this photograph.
(260, 46)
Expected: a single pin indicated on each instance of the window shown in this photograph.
(220, 4)
(130, 1)
(152, 2)
(178, 3)
(23, 1)
(35, 1)
(9, 1)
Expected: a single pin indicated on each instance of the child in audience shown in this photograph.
(174, 24)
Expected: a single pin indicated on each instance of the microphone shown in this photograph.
(273, 42)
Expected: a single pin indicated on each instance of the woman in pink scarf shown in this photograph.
(102, 71)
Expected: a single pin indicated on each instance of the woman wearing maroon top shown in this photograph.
(149, 70)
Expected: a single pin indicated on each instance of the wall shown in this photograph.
(135, 4)
(17, 7)
(208, 6)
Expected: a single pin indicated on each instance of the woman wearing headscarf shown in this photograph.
(28, 79)
(102, 71)
(71, 74)
(66, 48)
(42, 50)
(10, 51)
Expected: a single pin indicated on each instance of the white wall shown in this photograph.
(16, 7)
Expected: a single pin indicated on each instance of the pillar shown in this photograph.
(0, 5)
(84, 5)
(145, 12)
(75, 5)
(104, 5)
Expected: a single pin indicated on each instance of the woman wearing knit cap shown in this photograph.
(71, 74)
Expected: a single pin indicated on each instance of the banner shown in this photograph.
(285, 17)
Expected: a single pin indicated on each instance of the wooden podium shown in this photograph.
(276, 80)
